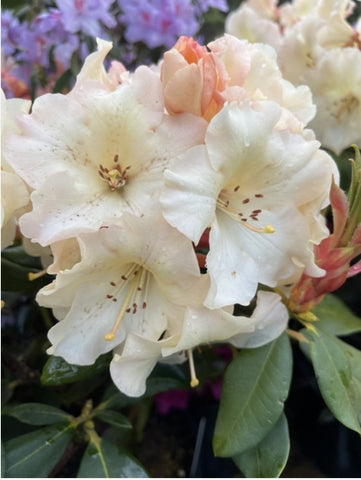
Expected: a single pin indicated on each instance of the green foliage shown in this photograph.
(37, 414)
(255, 387)
(269, 457)
(57, 371)
(338, 373)
(35, 454)
(335, 317)
(114, 418)
(105, 460)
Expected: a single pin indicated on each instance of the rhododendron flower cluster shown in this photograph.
(133, 172)
(316, 46)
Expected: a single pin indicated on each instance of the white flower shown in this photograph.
(93, 73)
(99, 153)
(250, 183)
(254, 74)
(133, 362)
(336, 87)
(14, 193)
(257, 25)
(136, 278)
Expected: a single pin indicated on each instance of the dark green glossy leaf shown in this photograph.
(269, 457)
(166, 377)
(35, 454)
(37, 414)
(335, 377)
(57, 371)
(255, 386)
(335, 317)
(106, 460)
(114, 418)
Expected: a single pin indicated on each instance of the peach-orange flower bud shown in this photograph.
(191, 80)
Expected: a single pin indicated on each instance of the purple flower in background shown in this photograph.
(158, 22)
(85, 16)
(9, 32)
(204, 5)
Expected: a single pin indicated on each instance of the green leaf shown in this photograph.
(335, 317)
(354, 357)
(57, 371)
(105, 460)
(255, 386)
(114, 418)
(269, 457)
(166, 377)
(37, 414)
(334, 375)
(35, 454)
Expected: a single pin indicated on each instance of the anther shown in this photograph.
(194, 380)
(109, 337)
(265, 229)
(34, 275)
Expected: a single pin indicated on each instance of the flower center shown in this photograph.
(224, 204)
(347, 104)
(116, 177)
(136, 280)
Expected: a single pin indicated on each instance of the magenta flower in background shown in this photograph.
(85, 16)
(165, 401)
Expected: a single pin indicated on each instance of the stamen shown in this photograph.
(34, 275)
(116, 177)
(111, 335)
(194, 380)
(222, 205)
(136, 295)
